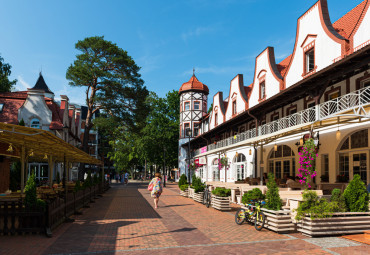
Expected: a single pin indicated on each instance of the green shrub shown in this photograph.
(30, 200)
(41, 205)
(252, 195)
(337, 196)
(77, 186)
(197, 184)
(182, 180)
(184, 187)
(356, 196)
(221, 192)
(273, 201)
(315, 207)
(15, 176)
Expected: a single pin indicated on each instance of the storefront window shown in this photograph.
(282, 162)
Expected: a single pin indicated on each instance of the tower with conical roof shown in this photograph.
(193, 106)
(41, 85)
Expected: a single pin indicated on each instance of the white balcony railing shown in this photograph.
(326, 110)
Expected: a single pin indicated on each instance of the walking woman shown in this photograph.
(156, 186)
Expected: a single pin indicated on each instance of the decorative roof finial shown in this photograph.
(193, 71)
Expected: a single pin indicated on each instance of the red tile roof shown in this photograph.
(56, 121)
(282, 66)
(348, 23)
(194, 84)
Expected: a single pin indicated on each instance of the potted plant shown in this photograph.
(221, 199)
(223, 162)
(277, 220)
(346, 213)
(183, 181)
(184, 190)
(198, 187)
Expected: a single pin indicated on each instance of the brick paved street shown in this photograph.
(124, 221)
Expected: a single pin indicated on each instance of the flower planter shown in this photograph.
(221, 203)
(190, 192)
(184, 193)
(338, 224)
(198, 197)
(278, 221)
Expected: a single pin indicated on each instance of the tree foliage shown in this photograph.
(5, 84)
(113, 83)
(273, 201)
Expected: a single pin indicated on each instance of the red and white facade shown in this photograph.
(322, 87)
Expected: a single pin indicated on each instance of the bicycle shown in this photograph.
(253, 210)
(207, 196)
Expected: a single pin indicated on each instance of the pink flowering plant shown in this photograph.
(307, 158)
(223, 162)
(193, 166)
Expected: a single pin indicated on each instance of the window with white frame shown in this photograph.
(187, 106)
(234, 107)
(196, 105)
(310, 60)
(262, 90)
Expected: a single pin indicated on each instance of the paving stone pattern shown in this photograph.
(124, 221)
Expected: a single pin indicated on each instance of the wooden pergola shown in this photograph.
(41, 146)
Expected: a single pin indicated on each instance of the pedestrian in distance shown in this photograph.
(126, 178)
(156, 188)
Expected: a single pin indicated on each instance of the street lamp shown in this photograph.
(188, 134)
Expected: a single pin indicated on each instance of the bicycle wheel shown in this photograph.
(204, 198)
(259, 221)
(240, 216)
(208, 202)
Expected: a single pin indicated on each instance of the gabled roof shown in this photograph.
(41, 85)
(194, 84)
(350, 21)
(12, 102)
(282, 66)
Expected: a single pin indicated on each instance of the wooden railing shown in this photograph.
(15, 219)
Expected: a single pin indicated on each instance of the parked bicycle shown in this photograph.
(253, 210)
(207, 196)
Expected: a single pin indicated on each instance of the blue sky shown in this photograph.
(167, 38)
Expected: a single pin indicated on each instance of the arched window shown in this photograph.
(35, 123)
(215, 170)
(353, 156)
(282, 162)
(240, 166)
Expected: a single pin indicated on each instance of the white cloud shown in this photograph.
(197, 32)
(22, 84)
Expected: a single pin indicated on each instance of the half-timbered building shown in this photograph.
(321, 90)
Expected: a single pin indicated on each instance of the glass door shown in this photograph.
(359, 165)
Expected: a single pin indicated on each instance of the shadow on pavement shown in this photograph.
(172, 231)
(176, 205)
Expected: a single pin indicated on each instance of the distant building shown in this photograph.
(38, 109)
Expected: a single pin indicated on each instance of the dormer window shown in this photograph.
(262, 90)
(35, 123)
(187, 106)
(310, 60)
(216, 121)
(234, 107)
(196, 105)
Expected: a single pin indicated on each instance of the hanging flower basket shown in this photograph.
(223, 162)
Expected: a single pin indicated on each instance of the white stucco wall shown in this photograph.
(35, 107)
(236, 85)
(262, 68)
(326, 49)
(217, 107)
(363, 33)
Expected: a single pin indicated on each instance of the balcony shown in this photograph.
(354, 101)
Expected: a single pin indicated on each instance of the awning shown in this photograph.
(39, 145)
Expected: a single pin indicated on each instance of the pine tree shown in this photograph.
(273, 201)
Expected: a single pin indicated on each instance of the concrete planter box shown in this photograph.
(338, 224)
(184, 193)
(190, 192)
(198, 197)
(279, 221)
(221, 203)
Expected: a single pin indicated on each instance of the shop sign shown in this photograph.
(203, 149)
(202, 161)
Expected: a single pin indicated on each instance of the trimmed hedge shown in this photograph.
(221, 192)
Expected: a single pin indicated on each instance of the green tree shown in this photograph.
(272, 195)
(5, 84)
(112, 82)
